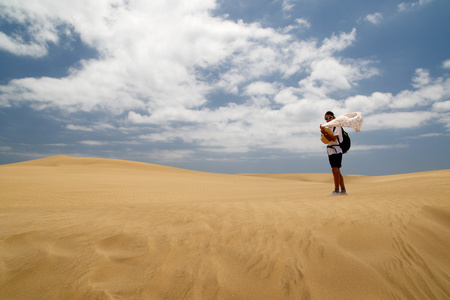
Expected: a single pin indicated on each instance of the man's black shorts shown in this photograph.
(335, 160)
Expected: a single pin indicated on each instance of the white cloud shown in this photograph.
(331, 74)
(94, 143)
(301, 24)
(446, 64)
(427, 135)
(338, 43)
(18, 47)
(169, 155)
(57, 145)
(427, 92)
(261, 88)
(162, 63)
(34, 30)
(398, 120)
(441, 106)
(95, 127)
(288, 5)
(404, 6)
(78, 128)
(134, 74)
(384, 110)
(378, 147)
(421, 78)
(369, 104)
(375, 18)
(287, 96)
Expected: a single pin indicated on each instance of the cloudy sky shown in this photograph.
(226, 86)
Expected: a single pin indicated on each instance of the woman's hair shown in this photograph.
(329, 113)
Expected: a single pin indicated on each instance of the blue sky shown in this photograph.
(226, 86)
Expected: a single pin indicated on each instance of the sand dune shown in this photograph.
(85, 228)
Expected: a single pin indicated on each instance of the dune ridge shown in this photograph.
(88, 228)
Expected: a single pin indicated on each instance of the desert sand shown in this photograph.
(88, 228)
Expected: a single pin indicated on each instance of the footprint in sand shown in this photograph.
(123, 246)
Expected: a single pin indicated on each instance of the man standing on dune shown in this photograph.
(334, 154)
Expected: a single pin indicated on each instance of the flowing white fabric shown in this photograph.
(352, 120)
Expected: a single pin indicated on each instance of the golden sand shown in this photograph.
(85, 228)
